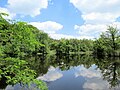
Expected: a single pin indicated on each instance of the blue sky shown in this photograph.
(65, 18)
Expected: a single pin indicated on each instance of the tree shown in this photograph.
(108, 41)
(110, 70)
(16, 41)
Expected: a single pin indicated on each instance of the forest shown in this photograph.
(19, 40)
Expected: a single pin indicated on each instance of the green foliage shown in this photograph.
(65, 46)
(42, 38)
(108, 43)
(17, 71)
(110, 70)
(17, 40)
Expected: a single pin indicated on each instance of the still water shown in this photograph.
(75, 72)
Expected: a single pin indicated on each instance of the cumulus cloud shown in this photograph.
(52, 75)
(102, 6)
(9, 87)
(96, 15)
(99, 18)
(59, 36)
(49, 27)
(88, 73)
(96, 84)
(90, 30)
(5, 10)
(52, 27)
(27, 7)
(93, 78)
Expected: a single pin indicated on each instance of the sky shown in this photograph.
(65, 18)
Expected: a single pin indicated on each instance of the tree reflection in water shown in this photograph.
(109, 67)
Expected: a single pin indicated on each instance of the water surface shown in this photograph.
(76, 72)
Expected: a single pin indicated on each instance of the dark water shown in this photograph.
(75, 72)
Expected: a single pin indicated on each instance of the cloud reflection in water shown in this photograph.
(93, 78)
(88, 73)
(52, 75)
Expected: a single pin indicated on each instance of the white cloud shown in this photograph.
(99, 18)
(93, 78)
(49, 27)
(116, 24)
(102, 6)
(96, 15)
(27, 7)
(94, 30)
(96, 84)
(59, 36)
(5, 10)
(88, 73)
(52, 27)
(90, 30)
(52, 75)
(9, 87)
(85, 37)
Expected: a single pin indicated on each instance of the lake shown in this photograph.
(75, 72)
